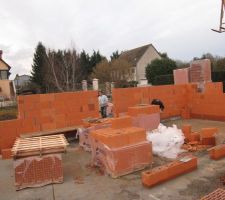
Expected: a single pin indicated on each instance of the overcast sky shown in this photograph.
(179, 27)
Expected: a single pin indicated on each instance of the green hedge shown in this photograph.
(163, 80)
(219, 77)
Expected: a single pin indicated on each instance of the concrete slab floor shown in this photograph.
(93, 185)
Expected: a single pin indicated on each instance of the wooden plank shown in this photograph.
(25, 154)
(50, 132)
(31, 148)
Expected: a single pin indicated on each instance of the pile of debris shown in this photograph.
(201, 140)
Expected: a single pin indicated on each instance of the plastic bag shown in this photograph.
(166, 141)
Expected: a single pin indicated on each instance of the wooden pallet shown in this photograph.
(39, 145)
(50, 132)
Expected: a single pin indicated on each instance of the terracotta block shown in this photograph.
(186, 129)
(47, 97)
(6, 154)
(175, 169)
(148, 122)
(121, 122)
(181, 76)
(185, 113)
(45, 105)
(28, 126)
(218, 194)
(194, 137)
(208, 141)
(46, 119)
(208, 132)
(8, 132)
(31, 114)
(121, 161)
(48, 126)
(60, 121)
(155, 176)
(38, 171)
(115, 138)
(217, 152)
(200, 70)
(147, 109)
(169, 171)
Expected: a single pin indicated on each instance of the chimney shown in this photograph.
(1, 52)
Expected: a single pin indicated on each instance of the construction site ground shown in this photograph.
(81, 181)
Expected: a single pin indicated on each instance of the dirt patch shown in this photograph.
(125, 194)
(199, 188)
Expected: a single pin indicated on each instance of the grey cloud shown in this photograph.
(180, 28)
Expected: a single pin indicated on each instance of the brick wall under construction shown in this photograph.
(43, 112)
(174, 98)
(208, 104)
(50, 111)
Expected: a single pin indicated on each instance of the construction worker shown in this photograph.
(159, 103)
(103, 101)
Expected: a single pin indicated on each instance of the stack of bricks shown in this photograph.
(38, 171)
(200, 71)
(181, 76)
(176, 168)
(145, 116)
(121, 149)
(217, 152)
(189, 135)
(218, 194)
(84, 133)
(120, 134)
(206, 136)
(45, 112)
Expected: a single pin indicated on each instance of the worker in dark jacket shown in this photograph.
(159, 103)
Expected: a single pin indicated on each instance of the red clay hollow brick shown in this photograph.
(186, 129)
(217, 152)
(218, 194)
(208, 132)
(121, 122)
(6, 154)
(169, 171)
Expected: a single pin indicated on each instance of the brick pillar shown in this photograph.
(108, 88)
(95, 84)
(84, 85)
(112, 86)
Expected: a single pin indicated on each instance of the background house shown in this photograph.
(139, 58)
(4, 68)
(21, 82)
(6, 86)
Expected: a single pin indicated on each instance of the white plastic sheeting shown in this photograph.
(166, 141)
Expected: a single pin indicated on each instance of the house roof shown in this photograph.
(1, 60)
(134, 55)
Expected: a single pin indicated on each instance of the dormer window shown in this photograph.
(3, 75)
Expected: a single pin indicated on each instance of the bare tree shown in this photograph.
(116, 70)
(63, 69)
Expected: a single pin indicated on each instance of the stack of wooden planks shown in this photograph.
(24, 147)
